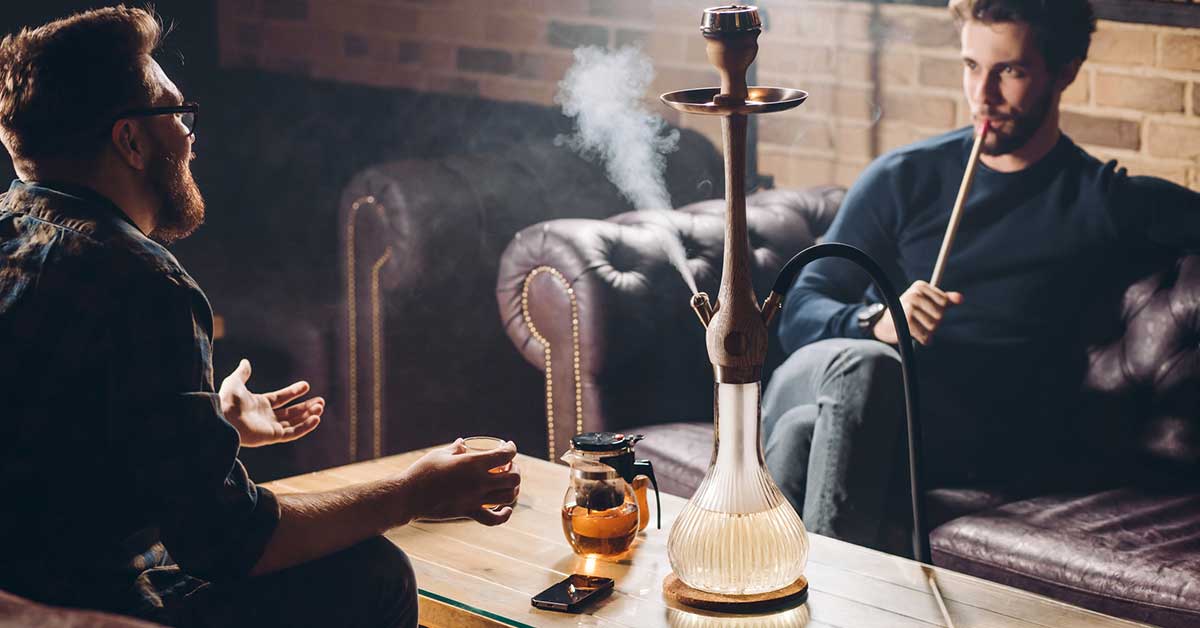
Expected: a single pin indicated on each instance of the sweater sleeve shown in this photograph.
(1155, 212)
(830, 292)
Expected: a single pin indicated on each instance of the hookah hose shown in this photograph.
(908, 364)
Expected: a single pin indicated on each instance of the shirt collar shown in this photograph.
(79, 194)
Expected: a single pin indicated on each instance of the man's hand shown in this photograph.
(924, 306)
(263, 419)
(454, 482)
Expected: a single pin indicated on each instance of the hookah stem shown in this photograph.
(908, 366)
(964, 190)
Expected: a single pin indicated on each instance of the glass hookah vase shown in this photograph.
(738, 535)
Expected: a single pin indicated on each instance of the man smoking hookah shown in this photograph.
(998, 370)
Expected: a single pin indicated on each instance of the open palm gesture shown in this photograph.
(263, 419)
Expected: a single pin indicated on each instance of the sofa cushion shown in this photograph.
(680, 453)
(19, 612)
(1123, 552)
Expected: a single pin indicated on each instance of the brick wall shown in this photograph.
(1135, 100)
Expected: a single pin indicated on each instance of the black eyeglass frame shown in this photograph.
(187, 107)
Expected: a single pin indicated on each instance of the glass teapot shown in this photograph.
(605, 505)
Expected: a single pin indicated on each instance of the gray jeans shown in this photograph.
(833, 429)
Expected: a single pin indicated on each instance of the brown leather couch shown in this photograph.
(18, 612)
(419, 348)
(595, 306)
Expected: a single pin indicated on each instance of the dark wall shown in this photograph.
(189, 57)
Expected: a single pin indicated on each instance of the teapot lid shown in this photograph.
(604, 441)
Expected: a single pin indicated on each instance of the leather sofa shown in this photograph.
(18, 612)
(595, 306)
(421, 355)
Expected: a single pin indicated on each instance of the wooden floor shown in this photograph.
(471, 575)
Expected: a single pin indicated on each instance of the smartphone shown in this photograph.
(573, 593)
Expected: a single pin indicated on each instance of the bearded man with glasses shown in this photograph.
(118, 457)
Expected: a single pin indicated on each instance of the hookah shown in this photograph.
(739, 545)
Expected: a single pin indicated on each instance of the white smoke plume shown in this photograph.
(603, 92)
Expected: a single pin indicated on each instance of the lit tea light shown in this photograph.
(589, 565)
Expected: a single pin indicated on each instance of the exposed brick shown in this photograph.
(1137, 92)
(1196, 99)
(556, 7)
(348, 16)
(439, 56)
(921, 30)
(453, 85)
(355, 45)
(515, 29)
(818, 25)
(569, 35)
(1171, 171)
(532, 65)
(463, 26)
(936, 72)
(853, 140)
(285, 65)
(1079, 91)
(1127, 46)
(1101, 131)
(297, 41)
(792, 170)
(630, 37)
(895, 67)
(855, 103)
(695, 52)
(487, 60)
(1181, 52)
(893, 136)
(797, 61)
(509, 89)
(285, 9)
(853, 25)
(248, 36)
(616, 8)
(795, 132)
(929, 111)
(408, 51)
(239, 8)
(1174, 140)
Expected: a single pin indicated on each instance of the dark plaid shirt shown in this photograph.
(112, 441)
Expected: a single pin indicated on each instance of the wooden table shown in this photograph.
(470, 575)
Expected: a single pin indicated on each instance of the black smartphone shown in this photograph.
(573, 593)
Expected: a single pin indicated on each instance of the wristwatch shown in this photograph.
(869, 315)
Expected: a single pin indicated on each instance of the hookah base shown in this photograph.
(792, 595)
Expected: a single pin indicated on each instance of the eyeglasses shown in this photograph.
(187, 113)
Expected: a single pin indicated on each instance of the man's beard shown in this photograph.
(182, 205)
(1024, 126)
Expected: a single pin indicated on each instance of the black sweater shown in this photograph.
(1031, 247)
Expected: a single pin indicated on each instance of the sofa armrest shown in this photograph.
(597, 306)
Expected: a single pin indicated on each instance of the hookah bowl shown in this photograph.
(738, 540)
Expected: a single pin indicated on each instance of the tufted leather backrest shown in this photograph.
(597, 306)
(1142, 383)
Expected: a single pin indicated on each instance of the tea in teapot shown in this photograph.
(605, 504)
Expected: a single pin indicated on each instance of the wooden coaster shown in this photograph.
(792, 595)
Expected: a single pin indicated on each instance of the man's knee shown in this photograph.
(386, 569)
(868, 361)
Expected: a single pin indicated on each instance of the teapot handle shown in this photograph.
(643, 467)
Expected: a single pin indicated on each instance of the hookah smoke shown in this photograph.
(603, 92)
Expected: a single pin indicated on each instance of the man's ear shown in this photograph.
(1067, 74)
(129, 143)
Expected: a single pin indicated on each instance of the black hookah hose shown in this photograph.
(908, 364)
